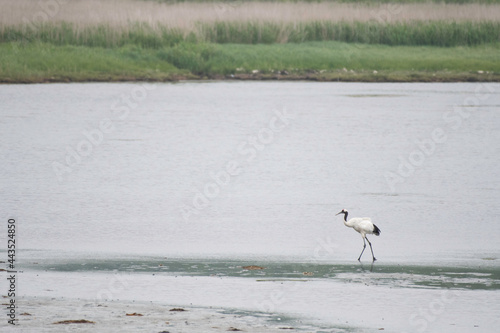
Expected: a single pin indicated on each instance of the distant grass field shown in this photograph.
(42, 62)
(109, 40)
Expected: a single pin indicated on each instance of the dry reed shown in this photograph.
(185, 16)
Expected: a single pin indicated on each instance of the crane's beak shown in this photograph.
(339, 213)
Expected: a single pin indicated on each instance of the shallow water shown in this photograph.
(473, 277)
(184, 184)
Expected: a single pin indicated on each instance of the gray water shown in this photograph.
(203, 178)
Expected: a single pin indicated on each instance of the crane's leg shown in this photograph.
(364, 246)
(371, 249)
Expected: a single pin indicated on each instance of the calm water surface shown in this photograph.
(222, 174)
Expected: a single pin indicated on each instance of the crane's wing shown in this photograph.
(364, 225)
(358, 220)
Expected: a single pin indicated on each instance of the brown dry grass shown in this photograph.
(119, 13)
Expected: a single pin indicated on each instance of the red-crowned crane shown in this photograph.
(364, 226)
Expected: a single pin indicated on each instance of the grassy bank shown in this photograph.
(113, 40)
(43, 62)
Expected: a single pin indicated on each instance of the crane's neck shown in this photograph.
(345, 216)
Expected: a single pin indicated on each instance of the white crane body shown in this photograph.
(364, 226)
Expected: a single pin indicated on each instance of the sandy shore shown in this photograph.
(43, 314)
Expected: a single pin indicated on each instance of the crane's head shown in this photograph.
(341, 212)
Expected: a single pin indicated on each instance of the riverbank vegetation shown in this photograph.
(150, 40)
(43, 62)
(436, 33)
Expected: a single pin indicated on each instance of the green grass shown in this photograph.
(435, 33)
(335, 55)
(41, 62)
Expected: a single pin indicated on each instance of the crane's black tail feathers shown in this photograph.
(376, 230)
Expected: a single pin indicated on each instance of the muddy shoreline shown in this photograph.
(339, 76)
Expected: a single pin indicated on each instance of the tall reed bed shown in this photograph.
(434, 33)
(101, 35)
